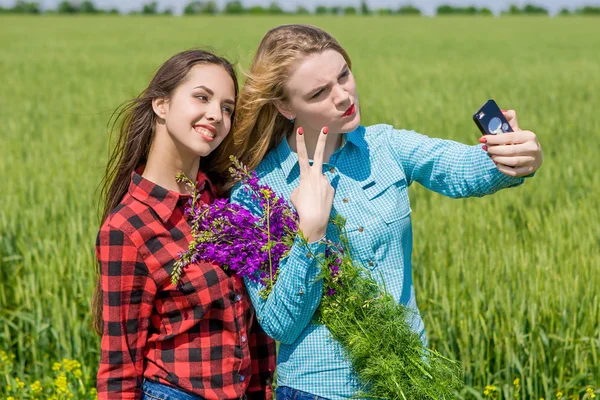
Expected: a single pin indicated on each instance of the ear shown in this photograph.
(284, 109)
(160, 105)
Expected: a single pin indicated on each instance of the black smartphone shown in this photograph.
(490, 120)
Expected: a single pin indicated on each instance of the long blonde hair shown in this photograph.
(258, 126)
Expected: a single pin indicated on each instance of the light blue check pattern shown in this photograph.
(371, 173)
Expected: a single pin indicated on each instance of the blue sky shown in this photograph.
(427, 6)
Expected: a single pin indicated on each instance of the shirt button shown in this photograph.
(345, 200)
(371, 263)
(360, 229)
(238, 297)
(242, 378)
(332, 170)
(243, 339)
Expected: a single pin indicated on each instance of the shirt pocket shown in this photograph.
(387, 196)
(386, 205)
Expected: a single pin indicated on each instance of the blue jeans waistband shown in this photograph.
(152, 390)
(288, 393)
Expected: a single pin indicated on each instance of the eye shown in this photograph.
(227, 109)
(314, 96)
(344, 74)
(202, 97)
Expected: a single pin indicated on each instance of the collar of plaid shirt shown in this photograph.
(164, 201)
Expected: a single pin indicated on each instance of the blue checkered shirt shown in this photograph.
(371, 174)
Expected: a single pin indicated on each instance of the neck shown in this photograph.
(334, 142)
(166, 159)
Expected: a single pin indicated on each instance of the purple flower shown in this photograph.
(252, 246)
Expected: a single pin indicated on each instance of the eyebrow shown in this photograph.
(318, 88)
(213, 93)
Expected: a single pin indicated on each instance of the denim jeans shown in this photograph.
(152, 390)
(288, 393)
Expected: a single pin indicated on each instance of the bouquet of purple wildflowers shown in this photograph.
(388, 357)
(249, 245)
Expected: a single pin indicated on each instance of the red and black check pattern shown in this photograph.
(202, 336)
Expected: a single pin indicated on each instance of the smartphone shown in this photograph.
(490, 120)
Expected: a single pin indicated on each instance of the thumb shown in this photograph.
(511, 117)
(294, 196)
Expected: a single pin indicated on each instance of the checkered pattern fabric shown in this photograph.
(201, 336)
(371, 174)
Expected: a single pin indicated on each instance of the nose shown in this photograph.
(214, 112)
(340, 96)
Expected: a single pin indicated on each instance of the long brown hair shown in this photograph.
(258, 125)
(135, 121)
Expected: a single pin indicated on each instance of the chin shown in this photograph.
(351, 125)
(201, 150)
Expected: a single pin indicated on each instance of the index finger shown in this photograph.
(320, 150)
(302, 153)
(509, 138)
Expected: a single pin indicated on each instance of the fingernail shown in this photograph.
(484, 148)
(325, 130)
(482, 140)
(300, 131)
(503, 110)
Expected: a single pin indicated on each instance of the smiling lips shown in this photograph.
(349, 111)
(207, 131)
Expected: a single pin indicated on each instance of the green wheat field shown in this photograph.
(508, 284)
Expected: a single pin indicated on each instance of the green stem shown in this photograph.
(267, 211)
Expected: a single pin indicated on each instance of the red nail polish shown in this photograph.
(325, 130)
(300, 131)
(484, 147)
(482, 140)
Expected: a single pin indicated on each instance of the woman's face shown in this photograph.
(322, 92)
(198, 113)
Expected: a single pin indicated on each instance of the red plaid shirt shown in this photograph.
(201, 337)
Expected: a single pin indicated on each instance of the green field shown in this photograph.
(508, 285)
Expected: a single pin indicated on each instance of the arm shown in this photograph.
(297, 293)
(262, 353)
(128, 294)
(448, 167)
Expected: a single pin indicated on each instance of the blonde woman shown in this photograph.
(299, 104)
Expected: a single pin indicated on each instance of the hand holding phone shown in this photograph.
(517, 153)
(490, 120)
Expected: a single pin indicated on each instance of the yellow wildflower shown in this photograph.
(489, 390)
(56, 366)
(517, 382)
(77, 373)
(20, 384)
(559, 395)
(61, 383)
(70, 365)
(36, 387)
(10, 398)
(590, 392)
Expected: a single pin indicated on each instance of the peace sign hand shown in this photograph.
(313, 198)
